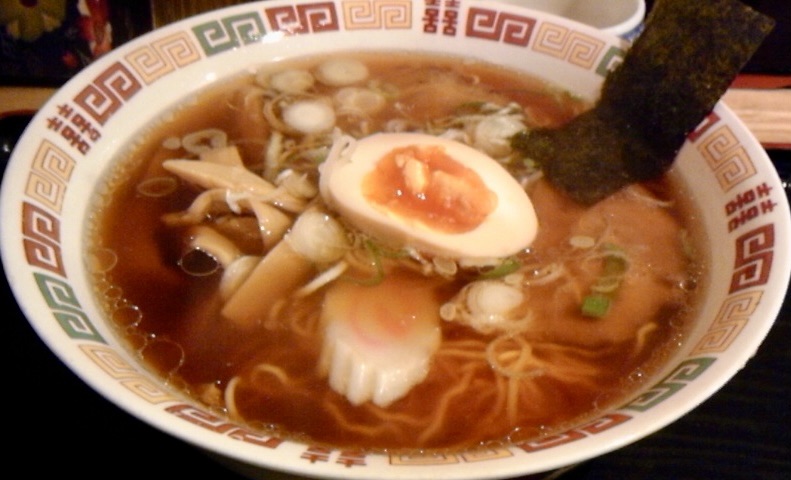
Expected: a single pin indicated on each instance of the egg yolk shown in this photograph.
(425, 184)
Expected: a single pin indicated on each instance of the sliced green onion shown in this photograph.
(606, 284)
(508, 266)
(582, 241)
(389, 252)
(595, 305)
(376, 258)
(615, 262)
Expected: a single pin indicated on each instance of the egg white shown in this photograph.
(508, 229)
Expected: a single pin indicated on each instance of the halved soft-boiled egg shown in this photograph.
(434, 194)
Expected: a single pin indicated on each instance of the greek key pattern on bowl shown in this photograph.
(445, 458)
(229, 33)
(112, 363)
(566, 44)
(754, 255)
(730, 320)
(220, 425)
(49, 175)
(594, 427)
(108, 92)
(727, 157)
(41, 239)
(304, 18)
(66, 308)
(377, 14)
(610, 61)
(500, 26)
(425, 459)
(163, 56)
(685, 372)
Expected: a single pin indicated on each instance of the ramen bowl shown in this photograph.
(60, 167)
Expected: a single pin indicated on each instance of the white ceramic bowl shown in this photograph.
(71, 142)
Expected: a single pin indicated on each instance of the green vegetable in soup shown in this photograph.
(597, 303)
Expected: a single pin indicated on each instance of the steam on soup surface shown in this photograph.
(237, 279)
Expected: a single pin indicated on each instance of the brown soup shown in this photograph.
(496, 375)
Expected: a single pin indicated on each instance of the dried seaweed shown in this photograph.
(670, 79)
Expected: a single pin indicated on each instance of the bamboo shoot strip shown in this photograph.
(670, 79)
(249, 304)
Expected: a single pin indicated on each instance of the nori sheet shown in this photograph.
(671, 78)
